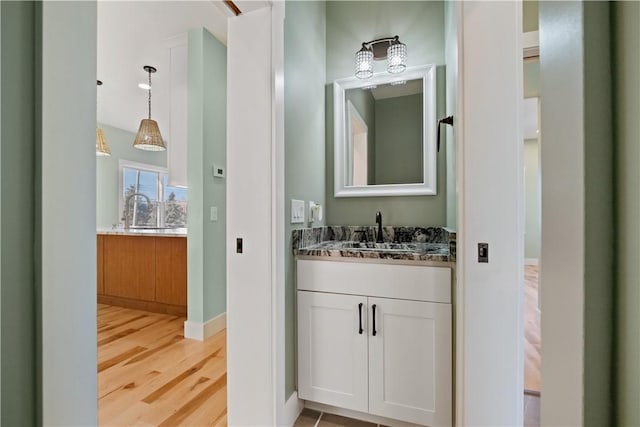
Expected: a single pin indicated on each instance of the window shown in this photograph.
(153, 203)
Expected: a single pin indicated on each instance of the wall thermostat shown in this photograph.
(218, 171)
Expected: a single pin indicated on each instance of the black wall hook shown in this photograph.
(447, 121)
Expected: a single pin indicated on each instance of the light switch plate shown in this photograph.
(214, 213)
(297, 211)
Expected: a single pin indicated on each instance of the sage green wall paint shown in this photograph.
(420, 26)
(364, 102)
(529, 15)
(531, 86)
(107, 172)
(17, 217)
(304, 73)
(531, 199)
(399, 140)
(531, 78)
(626, 33)
(207, 138)
(66, 217)
(599, 215)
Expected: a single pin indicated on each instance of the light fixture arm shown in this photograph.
(379, 46)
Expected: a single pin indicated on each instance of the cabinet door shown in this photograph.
(332, 352)
(130, 267)
(410, 361)
(171, 270)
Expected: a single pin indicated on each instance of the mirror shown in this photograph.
(384, 134)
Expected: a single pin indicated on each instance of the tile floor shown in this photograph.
(311, 418)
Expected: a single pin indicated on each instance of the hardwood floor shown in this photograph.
(150, 375)
(532, 339)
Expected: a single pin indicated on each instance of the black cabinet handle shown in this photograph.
(360, 330)
(373, 307)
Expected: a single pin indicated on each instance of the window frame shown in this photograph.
(161, 171)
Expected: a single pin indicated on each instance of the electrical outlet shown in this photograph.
(297, 211)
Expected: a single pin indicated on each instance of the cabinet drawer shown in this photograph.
(414, 282)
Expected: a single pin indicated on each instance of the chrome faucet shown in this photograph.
(126, 207)
(379, 222)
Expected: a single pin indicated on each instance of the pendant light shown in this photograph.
(148, 137)
(102, 148)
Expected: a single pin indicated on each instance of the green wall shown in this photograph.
(399, 140)
(529, 15)
(531, 199)
(206, 142)
(18, 369)
(420, 26)
(599, 215)
(304, 73)
(107, 191)
(531, 78)
(626, 61)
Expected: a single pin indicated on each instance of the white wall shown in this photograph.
(66, 217)
(490, 325)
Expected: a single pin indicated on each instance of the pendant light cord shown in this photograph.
(149, 94)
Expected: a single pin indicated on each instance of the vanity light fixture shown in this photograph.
(390, 48)
(102, 148)
(148, 136)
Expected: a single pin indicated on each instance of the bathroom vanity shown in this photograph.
(375, 326)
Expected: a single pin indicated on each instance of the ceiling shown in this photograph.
(132, 34)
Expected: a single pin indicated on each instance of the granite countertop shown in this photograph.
(157, 232)
(434, 244)
(403, 251)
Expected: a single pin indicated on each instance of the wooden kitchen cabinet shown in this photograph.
(171, 270)
(100, 264)
(143, 272)
(129, 267)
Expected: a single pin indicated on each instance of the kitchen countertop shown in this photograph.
(162, 232)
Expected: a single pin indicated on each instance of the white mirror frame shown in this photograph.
(429, 124)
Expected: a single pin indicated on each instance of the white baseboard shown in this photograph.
(292, 409)
(201, 331)
(531, 261)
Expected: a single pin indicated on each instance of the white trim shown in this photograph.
(459, 276)
(429, 185)
(201, 331)
(291, 411)
(531, 261)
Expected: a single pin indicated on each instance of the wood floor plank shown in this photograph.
(532, 336)
(174, 381)
(120, 358)
(185, 380)
(184, 411)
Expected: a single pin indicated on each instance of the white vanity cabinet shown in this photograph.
(376, 338)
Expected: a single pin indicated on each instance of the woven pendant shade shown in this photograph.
(148, 137)
(102, 148)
